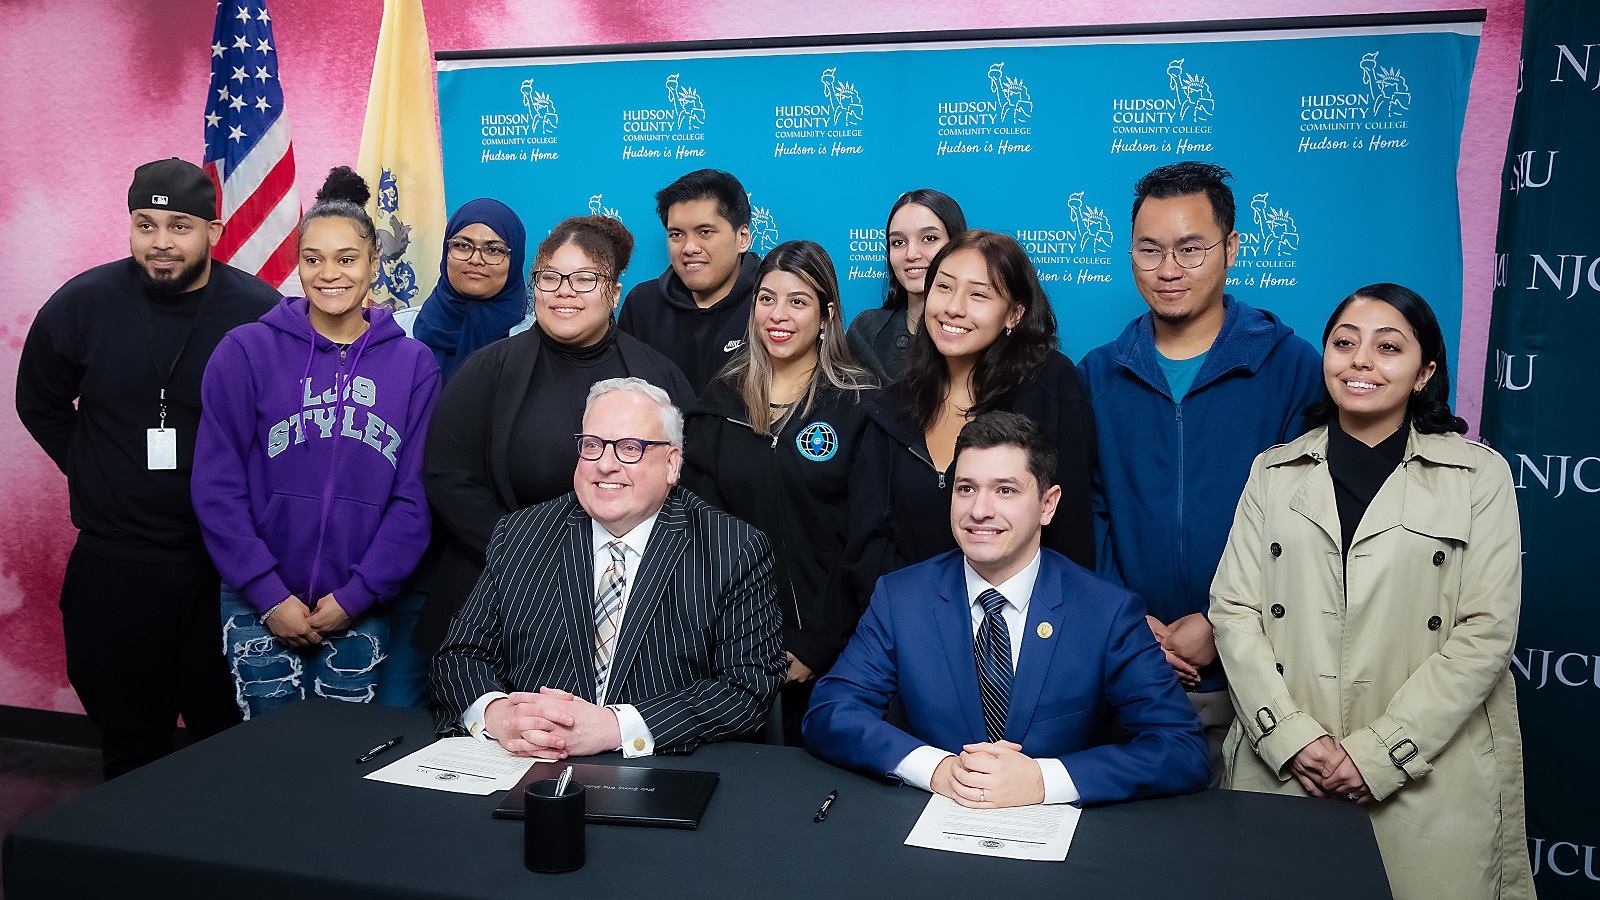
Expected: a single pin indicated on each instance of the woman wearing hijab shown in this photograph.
(481, 292)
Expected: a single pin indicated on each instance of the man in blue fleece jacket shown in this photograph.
(1184, 399)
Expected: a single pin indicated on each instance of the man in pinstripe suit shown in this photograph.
(629, 615)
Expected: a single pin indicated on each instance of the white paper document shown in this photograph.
(1020, 832)
(461, 765)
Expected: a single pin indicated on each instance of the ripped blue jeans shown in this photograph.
(268, 674)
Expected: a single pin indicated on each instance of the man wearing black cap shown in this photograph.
(128, 341)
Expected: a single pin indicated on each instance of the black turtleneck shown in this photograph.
(1359, 471)
(543, 453)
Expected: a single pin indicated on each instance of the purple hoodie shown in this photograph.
(313, 485)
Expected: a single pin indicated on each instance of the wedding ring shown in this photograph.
(983, 796)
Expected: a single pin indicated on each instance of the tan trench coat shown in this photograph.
(1401, 653)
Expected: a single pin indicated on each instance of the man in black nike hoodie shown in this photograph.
(696, 313)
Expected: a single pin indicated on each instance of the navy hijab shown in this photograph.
(453, 324)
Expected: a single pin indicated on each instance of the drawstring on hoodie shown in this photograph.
(341, 381)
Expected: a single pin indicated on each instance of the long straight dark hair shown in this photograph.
(1004, 365)
(1428, 408)
(944, 208)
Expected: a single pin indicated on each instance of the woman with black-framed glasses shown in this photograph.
(480, 293)
(503, 436)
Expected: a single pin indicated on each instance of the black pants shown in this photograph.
(144, 645)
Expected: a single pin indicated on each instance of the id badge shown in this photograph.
(161, 445)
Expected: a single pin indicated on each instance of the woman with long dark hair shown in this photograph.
(771, 441)
(920, 222)
(1366, 610)
(502, 439)
(988, 341)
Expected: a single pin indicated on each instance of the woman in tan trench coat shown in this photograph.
(1366, 609)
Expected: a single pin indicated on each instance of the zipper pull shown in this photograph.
(941, 481)
(774, 442)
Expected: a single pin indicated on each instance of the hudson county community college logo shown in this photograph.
(666, 132)
(1379, 109)
(868, 252)
(829, 128)
(1150, 123)
(763, 229)
(598, 208)
(526, 135)
(1268, 245)
(817, 442)
(1083, 242)
(995, 125)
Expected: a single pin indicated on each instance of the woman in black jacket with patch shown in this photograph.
(989, 342)
(771, 442)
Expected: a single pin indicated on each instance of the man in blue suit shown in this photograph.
(1009, 660)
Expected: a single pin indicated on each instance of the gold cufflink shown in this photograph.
(638, 744)
(1045, 630)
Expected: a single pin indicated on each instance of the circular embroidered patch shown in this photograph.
(817, 442)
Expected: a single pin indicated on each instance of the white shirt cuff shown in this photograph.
(472, 719)
(636, 737)
(919, 765)
(1058, 786)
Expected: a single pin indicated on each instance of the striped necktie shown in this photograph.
(992, 648)
(608, 616)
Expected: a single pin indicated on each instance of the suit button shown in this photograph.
(1438, 557)
(1280, 668)
(1277, 610)
(1276, 550)
(1434, 623)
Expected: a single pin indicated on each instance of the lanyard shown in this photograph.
(150, 334)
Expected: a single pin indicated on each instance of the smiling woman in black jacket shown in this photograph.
(988, 342)
(771, 441)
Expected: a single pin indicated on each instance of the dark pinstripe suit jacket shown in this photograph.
(699, 654)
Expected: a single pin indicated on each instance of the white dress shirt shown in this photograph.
(636, 737)
(918, 766)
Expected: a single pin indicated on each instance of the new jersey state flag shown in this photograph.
(400, 159)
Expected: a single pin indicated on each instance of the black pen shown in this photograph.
(372, 754)
(827, 804)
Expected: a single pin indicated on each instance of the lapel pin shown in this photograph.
(1045, 630)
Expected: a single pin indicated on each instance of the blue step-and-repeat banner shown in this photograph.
(1343, 143)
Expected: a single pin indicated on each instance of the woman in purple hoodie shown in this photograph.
(309, 490)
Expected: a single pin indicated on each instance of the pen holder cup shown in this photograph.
(552, 833)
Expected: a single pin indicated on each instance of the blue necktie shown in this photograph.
(992, 647)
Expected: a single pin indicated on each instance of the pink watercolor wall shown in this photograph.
(93, 88)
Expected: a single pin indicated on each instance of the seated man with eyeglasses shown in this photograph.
(626, 615)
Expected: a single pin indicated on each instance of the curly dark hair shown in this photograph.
(1004, 365)
(1429, 408)
(344, 195)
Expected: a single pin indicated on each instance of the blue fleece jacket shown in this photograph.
(1171, 473)
(312, 485)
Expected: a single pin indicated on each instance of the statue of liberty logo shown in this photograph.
(1391, 97)
(844, 102)
(1275, 228)
(397, 280)
(1010, 96)
(596, 208)
(1191, 92)
(542, 118)
(763, 229)
(1092, 229)
(689, 112)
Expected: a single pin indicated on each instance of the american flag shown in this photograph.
(248, 153)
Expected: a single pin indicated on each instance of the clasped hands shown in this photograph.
(297, 626)
(1324, 769)
(551, 724)
(1189, 643)
(990, 776)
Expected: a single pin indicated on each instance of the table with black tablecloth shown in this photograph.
(277, 808)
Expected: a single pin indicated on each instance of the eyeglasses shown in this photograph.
(628, 450)
(1189, 256)
(462, 249)
(583, 281)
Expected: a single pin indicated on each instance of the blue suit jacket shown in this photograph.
(1099, 658)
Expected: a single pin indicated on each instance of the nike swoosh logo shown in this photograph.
(732, 346)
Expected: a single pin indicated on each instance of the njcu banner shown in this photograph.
(1540, 411)
(1343, 141)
